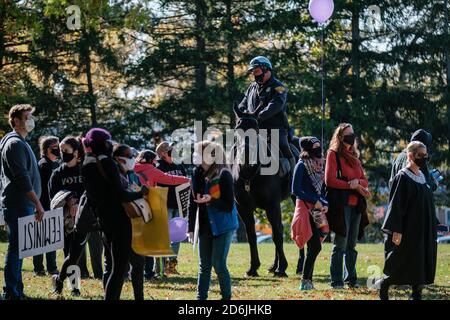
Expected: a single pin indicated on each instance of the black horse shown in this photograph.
(255, 190)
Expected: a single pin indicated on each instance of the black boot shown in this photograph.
(384, 290)
(416, 293)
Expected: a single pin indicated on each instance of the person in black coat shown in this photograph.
(67, 177)
(410, 228)
(106, 192)
(49, 150)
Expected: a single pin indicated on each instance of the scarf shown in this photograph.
(314, 168)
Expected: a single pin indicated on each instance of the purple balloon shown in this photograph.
(178, 229)
(321, 10)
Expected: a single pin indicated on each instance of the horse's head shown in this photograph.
(245, 150)
(245, 120)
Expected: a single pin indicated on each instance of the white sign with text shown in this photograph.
(41, 237)
(182, 193)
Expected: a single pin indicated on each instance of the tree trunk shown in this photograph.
(86, 58)
(447, 59)
(231, 44)
(200, 65)
(356, 41)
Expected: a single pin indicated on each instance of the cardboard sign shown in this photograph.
(41, 237)
(182, 193)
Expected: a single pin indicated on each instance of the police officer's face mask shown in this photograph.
(260, 77)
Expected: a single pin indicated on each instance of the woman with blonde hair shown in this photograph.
(347, 189)
(410, 228)
(213, 200)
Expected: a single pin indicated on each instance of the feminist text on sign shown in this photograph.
(41, 237)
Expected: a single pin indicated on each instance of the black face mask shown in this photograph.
(169, 153)
(55, 152)
(421, 162)
(349, 139)
(67, 157)
(316, 153)
(259, 78)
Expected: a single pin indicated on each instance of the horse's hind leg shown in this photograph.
(274, 215)
(274, 265)
(248, 219)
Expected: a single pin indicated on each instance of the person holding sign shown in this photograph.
(168, 165)
(149, 176)
(213, 190)
(21, 189)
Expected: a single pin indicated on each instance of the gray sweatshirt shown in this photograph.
(19, 171)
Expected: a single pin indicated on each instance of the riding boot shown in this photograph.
(285, 167)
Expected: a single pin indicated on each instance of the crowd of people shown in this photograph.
(331, 195)
(410, 225)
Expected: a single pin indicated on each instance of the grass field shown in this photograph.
(264, 287)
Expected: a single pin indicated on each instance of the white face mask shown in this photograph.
(197, 158)
(129, 163)
(29, 125)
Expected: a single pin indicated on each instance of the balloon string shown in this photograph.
(322, 76)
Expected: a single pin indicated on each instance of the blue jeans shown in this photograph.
(345, 246)
(213, 252)
(173, 213)
(13, 285)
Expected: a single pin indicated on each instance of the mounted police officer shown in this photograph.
(265, 99)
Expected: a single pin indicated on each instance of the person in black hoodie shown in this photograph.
(68, 177)
(402, 159)
(106, 193)
(49, 150)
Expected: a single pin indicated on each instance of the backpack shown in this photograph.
(85, 220)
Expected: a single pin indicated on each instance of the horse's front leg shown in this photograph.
(274, 215)
(246, 214)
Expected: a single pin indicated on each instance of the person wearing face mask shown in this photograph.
(150, 176)
(106, 192)
(68, 177)
(265, 99)
(309, 188)
(347, 215)
(49, 150)
(213, 201)
(21, 190)
(123, 155)
(401, 161)
(410, 228)
(167, 164)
